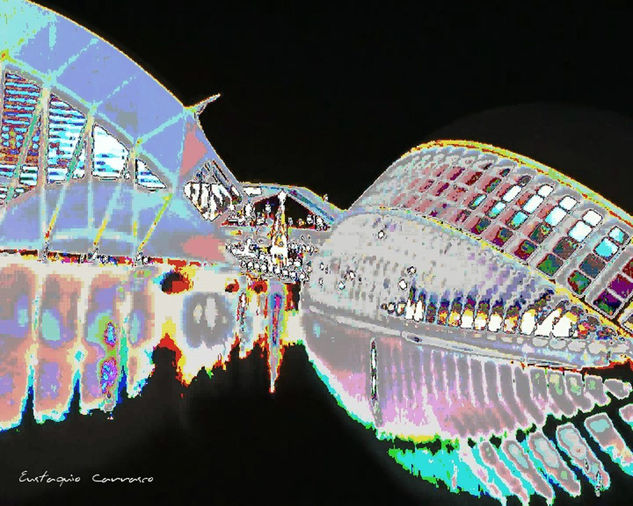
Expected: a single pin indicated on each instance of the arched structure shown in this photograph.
(94, 152)
(532, 213)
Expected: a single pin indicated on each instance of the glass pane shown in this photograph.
(607, 302)
(210, 199)
(555, 216)
(476, 201)
(606, 249)
(617, 235)
(550, 264)
(545, 190)
(146, 178)
(64, 127)
(511, 193)
(19, 99)
(531, 205)
(109, 155)
(592, 265)
(592, 217)
(496, 209)
(578, 282)
(579, 231)
(567, 203)
(518, 218)
(28, 175)
(80, 168)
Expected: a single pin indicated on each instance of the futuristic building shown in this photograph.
(472, 292)
(521, 251)
(80, 147)
(566, 232)
(469, 293)
(112, 201)
(96, 153)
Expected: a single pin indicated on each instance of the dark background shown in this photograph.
(327, 96)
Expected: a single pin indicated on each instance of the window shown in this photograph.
(80, 169)
(456, 173)
(536, 200)
(146, 178)
(578, 282)
(540, 232)
(28, 175)
(525, 249)
(517, 220)
(473, 178)
(110, 155)
(531, 205)
(19, 100)
(65, 125)
(621, 286)
(618, 235)
(512, 192)
(592, 265)
(492, 184)
(607, 303)
(545, 190)
(567, 203)
(476, 201)
(438, 191)
(579, 231)
(592, 217)
(480, 226)
(503, 234)
(550, 264)
(606, 249)
(496, 210)
(211, 199)
(565, 247)
(556, 215)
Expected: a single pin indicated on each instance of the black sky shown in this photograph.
(327, 96)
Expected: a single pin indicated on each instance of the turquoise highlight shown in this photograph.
(51, 329)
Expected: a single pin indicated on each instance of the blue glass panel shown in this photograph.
(606, 249)
(476, 201)
(28, 175)
(64, 127)
(109, 155)
(518, 218)
(496, 209)
(146, 177)
(19, 100)
(617, 235)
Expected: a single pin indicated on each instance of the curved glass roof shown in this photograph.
(103, 82)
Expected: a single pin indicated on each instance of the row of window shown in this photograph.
(468, 313)
(564, 248)
(470, 193)
(66, 146)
